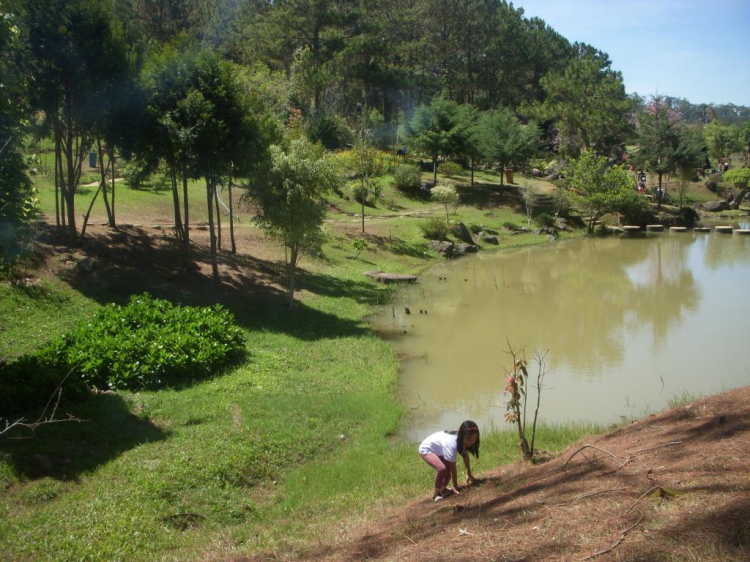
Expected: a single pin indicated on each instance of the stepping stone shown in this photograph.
(743, 231)
(630, 229)
(725, 229)
(614, 229)
(702, 229)
(678, 229)
(655, 227)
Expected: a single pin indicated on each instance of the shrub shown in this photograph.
(712, 182)
(330, 130)
(450, 169)
(434, 229)
(475, 228)
(360, 192)
(688, 216)
(147, 344)
(407, 178)
(511, 226)
(545, 219)
(637, 211)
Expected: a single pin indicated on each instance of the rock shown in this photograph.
(442, 247)
(490, 231)
(562, 224)
(715, 206)
(536, 172)
(391, 278)
(463, 234)
(491, 239)
(463, 249)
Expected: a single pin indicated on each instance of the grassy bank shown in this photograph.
(292, 447)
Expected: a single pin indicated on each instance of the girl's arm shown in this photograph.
(454, 476)
(467, 464)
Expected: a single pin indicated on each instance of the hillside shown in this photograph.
(673, 486)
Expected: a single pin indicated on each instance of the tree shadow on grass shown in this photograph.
(68, 449)
(132, 260)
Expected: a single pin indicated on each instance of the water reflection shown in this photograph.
(619, 316)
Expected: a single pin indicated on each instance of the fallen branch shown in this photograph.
(42, 420)
(617, 542)
(639, 499)
(633, 455)
(591, 495)
(565, 466)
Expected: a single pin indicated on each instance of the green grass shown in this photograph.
(293, 444)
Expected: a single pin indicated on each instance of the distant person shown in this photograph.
(440, 451)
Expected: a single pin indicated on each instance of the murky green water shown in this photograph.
(630, 323)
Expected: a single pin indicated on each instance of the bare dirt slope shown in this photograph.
(674, 486)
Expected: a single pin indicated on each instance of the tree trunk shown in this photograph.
(57, 185)
(231, 217)
(114, 161)
(502, 174)
(434, 170)
(472, 171)
(218, 217)
(739, 198)
(292, 268)
(185, 201)
(210, 187)
(176, 202)
(659, 194)
(88, 212)
(103, 184)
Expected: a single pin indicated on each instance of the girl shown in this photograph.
(440, 449)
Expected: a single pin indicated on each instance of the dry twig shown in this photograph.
(565, 466)
(590, 496)
(617, 542)
(43, 419)
(639, 499)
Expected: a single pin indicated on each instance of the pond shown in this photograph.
(630, 324)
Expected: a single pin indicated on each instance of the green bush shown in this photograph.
(545, 219)
(688, 216)
(330, 130)
(147, 344)
(450, 169)
(475, 228)
(407, 178)
(638, 212)
(360, 192)
(434, 229)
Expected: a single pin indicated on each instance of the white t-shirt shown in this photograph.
(442, 444)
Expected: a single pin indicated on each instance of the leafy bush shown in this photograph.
(475, 228)
(450, 169)
(511, 226)
(688, 216)
(712, 182)
(330, 130)
(360, 192)
(407, 178)
(637, 212)
(434, 229)
(147, 344)
(545, 219)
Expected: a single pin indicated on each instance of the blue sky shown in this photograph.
(693, 49)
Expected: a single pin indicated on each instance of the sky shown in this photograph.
(693, 49)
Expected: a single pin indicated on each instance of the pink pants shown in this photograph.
(443, 476)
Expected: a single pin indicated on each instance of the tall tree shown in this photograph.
(17, 194)
(433, 129)
(77, 57)
(662, 145)
(587, 103)
(598, 188)
(503, 139)
(290, 196)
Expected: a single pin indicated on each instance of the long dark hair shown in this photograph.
(467, 427)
